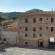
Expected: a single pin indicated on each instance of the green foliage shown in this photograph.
(9, 16)
(14, 15)
(2, 18)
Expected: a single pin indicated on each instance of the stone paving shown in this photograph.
(16, 50)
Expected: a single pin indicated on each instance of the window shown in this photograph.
(20, 27)
(47, 18)
(34, 28)
(26, 42)
(40, 28)
(34, 35)
(4, 39)
(34, 20)
(25, 35)
(51, 29)
(26, 20)
(51, 19)
(40, 34)
(46, 27)
(26, 29)
(40, 19)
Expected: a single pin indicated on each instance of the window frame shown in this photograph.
(34, 35)
(40, 35)
(34, 20)
(52, 20)
(40, 28)
(26, 43)
(40, 19)
(25, 35)
(52, 29)
(34, 29)
(26, 28)
(26, 20)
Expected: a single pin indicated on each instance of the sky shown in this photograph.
(24, 5)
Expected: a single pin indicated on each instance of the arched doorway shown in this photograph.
(40, 43)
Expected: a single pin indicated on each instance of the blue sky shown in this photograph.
(24, 5)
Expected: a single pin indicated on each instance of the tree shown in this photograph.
(14, 18)
(1, 18)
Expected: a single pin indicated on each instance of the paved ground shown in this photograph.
(16, 50)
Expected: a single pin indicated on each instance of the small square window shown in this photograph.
(4, 39)
(20, 27)
(34, 28)
(34, 35)
(40, 28)
(47, 18)
(40, 19)
(40, 34)
(26, 42)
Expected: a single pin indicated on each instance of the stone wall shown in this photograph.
(11, 37)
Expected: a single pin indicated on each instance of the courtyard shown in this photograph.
(19, 50)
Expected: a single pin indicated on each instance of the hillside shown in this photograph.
(14, 15)
(10, 15)
(34, 10)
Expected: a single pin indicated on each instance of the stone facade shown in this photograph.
(43, 26)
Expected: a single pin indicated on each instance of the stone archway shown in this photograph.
(40, 43)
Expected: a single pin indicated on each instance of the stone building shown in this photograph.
(10, 34)
(37, 29)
